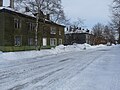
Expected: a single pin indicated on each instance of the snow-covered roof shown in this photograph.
(13, 10)
(30, 14)
(25, 13)
(77, 31)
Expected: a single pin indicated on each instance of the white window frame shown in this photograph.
(53, 30)
(60, 41)
(53, 41)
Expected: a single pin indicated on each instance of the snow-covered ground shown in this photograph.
(62, 68)
(33, 54)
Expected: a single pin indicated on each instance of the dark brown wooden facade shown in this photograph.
(17, 32)
(81, 38)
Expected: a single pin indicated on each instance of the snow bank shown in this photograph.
(57, 50)
(23, 55)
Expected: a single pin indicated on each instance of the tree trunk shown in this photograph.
(36, 32)
(119, 36)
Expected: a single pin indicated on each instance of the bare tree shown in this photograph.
(75, 25)
(109, 34)
(115, 8)
(105, 31)
(78, 23)
(41, 7)
(51, 7)
(98, 29)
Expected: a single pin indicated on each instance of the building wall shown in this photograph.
(10, 32)
(99, 40)
(79, 38)
(1, 29)
(46, 33)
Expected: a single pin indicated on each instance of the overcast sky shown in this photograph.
(93, 11)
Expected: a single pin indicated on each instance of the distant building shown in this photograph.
(17, 31)
(99, 40)
(81, 36)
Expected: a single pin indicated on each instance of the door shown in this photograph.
(44, 41)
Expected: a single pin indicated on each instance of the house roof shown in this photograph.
(26, 14)
(78, 31)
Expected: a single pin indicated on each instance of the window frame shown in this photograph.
(60, 41)
(16, 41)
(29, 41)
(53, 30)
(31, 26)
(60, 33)
(17, 23)
(53, 41)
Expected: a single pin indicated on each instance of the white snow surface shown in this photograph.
(69, 67)
(33, 54)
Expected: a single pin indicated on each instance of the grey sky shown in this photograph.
(92, 11)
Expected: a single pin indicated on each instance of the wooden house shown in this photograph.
(17, 31)
(79, 38)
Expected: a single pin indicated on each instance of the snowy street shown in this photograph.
(92, 69)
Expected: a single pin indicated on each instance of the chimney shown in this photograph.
(27, 9)
(1, 3)
(12, 4)
(48, 16)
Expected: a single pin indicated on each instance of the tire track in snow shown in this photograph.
(9, 73)
(54, 80)
(34, 81)
(36, 67)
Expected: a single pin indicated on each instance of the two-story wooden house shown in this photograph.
(17, 31)
(79, 38)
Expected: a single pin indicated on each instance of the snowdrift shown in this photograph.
(34, 54)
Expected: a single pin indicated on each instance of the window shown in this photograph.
(60, 41)
(18, 40)
(31, 26)
(44, 41)
(17, 23)
(53, 41)
(59, 32)
(30, 41)
(45, 31)
(53, 30)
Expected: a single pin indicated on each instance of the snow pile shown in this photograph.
(35, 54)
(23, 55)
(98, 46)
(70, 48)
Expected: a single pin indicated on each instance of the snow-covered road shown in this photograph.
(94, 69)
